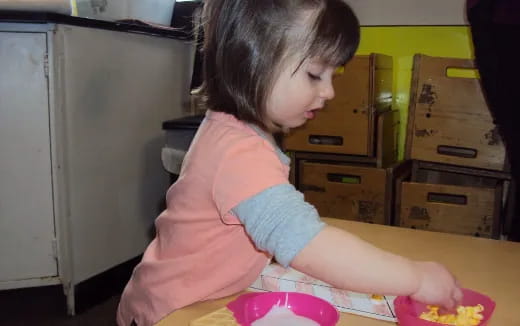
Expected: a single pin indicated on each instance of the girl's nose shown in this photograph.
(327, 91)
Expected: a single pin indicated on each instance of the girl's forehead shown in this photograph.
(317, 62)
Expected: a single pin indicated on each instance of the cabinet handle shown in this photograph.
(344, 178)
(325, 140)
(436, 197)
(457, 151)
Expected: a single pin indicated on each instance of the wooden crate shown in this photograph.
(454, 170)
(347, 124)
(447, 208)
(349, 192)
(466, 202)
(448, 120)
(386, 146)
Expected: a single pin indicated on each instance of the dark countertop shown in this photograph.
(122, 26)
(189, 122)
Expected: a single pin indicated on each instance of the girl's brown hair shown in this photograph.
(246, 42)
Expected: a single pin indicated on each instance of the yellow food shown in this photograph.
(466, 316)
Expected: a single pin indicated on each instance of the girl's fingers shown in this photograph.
(457, 295)
(449, 304)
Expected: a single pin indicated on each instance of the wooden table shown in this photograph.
(488, 266)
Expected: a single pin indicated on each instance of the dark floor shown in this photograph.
(96, 302)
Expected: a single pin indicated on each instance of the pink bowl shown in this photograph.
(252, 306)
(408, 311)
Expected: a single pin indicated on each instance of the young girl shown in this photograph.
(268, 67)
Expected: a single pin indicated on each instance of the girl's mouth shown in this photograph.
(311, 114)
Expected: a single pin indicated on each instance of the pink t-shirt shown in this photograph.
(201, 251)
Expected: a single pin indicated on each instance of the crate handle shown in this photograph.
(436, 197)
(344, 178)
(457, 151)
(325, 140)
(459, 72)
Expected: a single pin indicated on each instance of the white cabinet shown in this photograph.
(27, 234)
(81, 178)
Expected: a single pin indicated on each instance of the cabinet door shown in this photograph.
(26, 210)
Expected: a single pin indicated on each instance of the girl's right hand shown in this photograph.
(437, 286)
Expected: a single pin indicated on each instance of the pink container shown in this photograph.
(252, 306)
(408, 311)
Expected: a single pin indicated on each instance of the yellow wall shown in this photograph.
(402, 42)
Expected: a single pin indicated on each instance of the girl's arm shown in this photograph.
(345, 261)
(279, 221)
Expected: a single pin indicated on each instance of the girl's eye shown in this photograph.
(313, 76)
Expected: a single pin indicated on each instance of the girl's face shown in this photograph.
(298, 95)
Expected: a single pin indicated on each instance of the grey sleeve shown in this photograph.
(279, 221)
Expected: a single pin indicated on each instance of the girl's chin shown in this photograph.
(286, 127)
